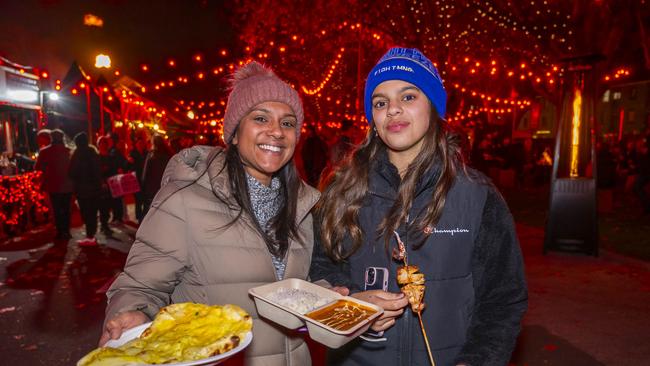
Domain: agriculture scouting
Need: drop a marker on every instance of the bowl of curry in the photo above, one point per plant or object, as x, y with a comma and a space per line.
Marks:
337, 323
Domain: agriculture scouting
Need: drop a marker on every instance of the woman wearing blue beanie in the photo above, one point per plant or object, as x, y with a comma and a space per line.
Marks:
407, 183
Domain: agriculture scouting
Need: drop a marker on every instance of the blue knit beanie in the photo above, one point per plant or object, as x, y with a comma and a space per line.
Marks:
410, 65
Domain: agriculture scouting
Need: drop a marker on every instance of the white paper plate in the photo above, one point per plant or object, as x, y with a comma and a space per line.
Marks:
136, 331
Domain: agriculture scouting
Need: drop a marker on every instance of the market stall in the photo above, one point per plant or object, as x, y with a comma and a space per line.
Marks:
20, 117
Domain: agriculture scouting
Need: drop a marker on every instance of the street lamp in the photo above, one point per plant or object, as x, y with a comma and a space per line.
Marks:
46, 99
102, 61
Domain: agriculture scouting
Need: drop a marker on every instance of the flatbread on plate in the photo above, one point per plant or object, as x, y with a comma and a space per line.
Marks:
179, 333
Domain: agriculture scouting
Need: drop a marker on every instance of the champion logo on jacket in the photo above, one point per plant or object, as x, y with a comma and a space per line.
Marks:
434, 230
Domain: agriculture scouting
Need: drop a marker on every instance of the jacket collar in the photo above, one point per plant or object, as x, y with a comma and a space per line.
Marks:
205, 166
384, 179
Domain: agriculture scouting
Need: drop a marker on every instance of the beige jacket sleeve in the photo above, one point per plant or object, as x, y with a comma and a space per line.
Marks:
156, 261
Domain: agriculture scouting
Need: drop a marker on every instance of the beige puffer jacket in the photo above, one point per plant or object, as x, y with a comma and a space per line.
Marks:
180, 255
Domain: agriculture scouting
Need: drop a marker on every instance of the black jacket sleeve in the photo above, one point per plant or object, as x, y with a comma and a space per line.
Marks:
324, 268
500, 288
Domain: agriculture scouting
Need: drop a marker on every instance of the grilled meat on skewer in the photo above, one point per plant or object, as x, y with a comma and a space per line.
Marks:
412, 285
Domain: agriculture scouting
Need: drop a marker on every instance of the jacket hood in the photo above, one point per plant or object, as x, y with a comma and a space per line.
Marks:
190, 165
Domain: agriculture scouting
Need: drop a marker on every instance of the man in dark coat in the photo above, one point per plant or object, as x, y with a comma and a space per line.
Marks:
54, 161
85, 172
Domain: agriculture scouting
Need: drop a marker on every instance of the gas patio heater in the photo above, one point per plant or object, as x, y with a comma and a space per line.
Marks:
572, 223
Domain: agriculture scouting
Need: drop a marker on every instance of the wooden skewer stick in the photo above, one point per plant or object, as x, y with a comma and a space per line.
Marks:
426, 340
404, 256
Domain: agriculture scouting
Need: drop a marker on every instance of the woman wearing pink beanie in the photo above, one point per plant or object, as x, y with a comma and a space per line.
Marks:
227, 220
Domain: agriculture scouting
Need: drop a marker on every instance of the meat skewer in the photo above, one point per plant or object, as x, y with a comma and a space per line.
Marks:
412, 285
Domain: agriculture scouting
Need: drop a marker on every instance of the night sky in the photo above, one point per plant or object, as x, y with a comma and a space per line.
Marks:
51, 33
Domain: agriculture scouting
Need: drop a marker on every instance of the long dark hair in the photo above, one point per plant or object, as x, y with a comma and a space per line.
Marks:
341, 201
283, 225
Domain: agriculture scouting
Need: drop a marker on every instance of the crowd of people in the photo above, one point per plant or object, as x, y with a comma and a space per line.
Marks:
82, 170
624, 166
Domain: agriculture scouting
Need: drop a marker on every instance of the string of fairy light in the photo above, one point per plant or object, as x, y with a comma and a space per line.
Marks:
539, 32
213, 118
447, 14
533, 76
307, 91
460, 116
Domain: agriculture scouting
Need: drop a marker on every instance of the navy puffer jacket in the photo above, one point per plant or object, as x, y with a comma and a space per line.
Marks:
475, 293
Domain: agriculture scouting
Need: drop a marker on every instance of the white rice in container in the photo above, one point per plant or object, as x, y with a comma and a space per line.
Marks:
300, 301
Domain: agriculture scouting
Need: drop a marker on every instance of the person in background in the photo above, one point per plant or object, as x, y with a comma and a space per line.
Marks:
344, 144
108, 167
478, 153
314, 155
116, 152
43, 138
606, 166
154, 167
175, 145
643, 174
512, 155
408, 180
85, 172
137, 158
54, 161
227, 220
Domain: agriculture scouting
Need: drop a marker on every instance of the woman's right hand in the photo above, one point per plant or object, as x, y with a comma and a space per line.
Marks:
392, 303
121, 322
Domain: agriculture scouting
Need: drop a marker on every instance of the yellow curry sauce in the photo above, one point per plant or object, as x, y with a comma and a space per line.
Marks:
342, 315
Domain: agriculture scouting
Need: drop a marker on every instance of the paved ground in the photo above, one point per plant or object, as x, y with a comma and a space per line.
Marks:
583, 310
51, 296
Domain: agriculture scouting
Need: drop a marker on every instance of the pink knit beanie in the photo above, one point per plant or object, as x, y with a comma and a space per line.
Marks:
251, 85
